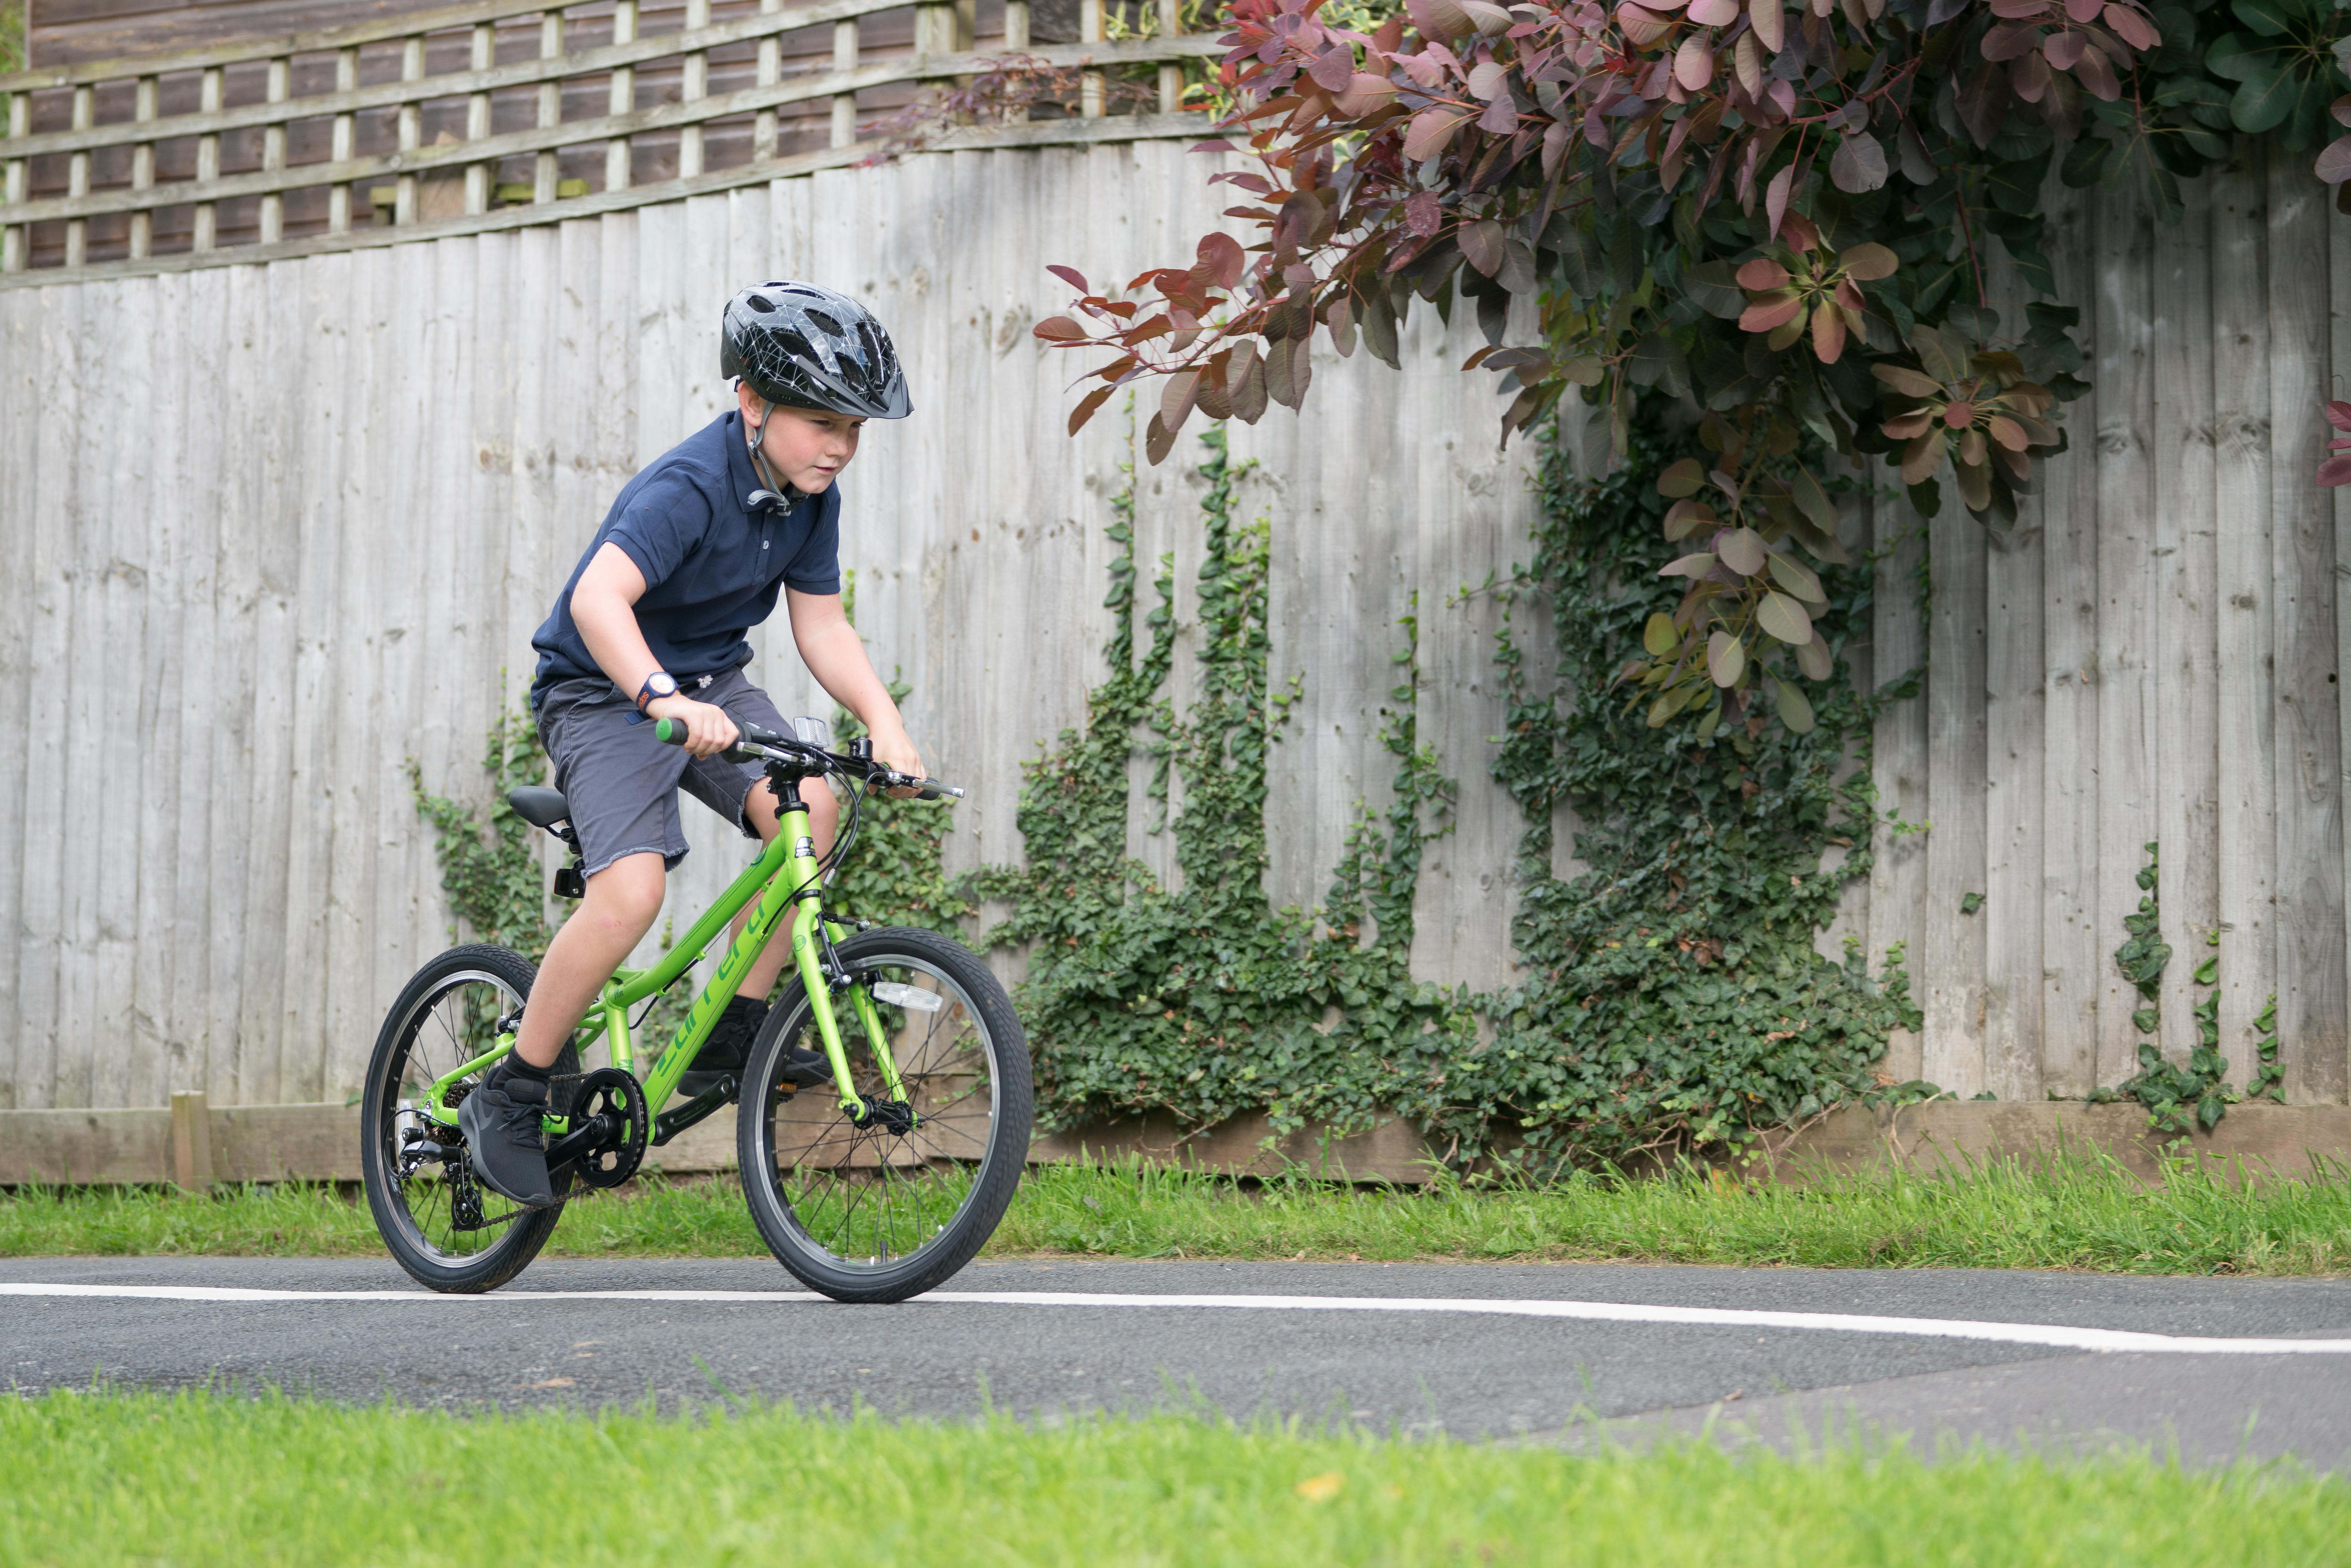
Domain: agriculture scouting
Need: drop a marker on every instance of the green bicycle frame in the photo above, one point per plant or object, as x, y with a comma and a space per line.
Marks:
783, 877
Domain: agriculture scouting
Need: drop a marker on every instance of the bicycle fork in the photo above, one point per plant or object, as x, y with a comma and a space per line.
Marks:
820, 980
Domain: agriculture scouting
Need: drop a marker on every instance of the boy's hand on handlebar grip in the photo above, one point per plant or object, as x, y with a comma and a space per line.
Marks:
708, 730
897, 753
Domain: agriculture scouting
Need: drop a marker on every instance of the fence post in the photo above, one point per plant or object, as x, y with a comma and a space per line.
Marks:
1015, 41
551, 106
84, 115
273, 153
477, 120
142, 172
934, 28
208, 101
412, 129
1171, 73
694, 84
771, 70
625, 96
15, 239
338, 196
1090, 31
192, 1140
844, 58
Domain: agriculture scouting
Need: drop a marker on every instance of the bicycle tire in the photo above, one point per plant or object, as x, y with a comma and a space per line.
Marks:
943, 1185
399, 1063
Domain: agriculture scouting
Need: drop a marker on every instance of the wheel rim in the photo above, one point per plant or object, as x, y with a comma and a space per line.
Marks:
453, 1025
868, 1201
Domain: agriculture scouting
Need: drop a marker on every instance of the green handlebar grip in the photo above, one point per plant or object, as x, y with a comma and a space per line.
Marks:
669, 731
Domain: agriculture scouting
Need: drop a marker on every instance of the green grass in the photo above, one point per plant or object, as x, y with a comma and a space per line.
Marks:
199, 1479
2081, 1213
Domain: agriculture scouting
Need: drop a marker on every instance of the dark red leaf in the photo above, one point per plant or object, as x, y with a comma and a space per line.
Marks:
1333, 69
1482, 244
1222, 259
1086, 407
1072, 277
1159, 440
2334, 160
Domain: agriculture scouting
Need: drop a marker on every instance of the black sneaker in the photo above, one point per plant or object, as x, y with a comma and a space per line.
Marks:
728, 1051
500, 1122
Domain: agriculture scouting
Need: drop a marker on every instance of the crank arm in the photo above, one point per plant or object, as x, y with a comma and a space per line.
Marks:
579, 1141
672, 1121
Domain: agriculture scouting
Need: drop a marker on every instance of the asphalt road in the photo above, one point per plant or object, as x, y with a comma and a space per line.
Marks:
1425, 1368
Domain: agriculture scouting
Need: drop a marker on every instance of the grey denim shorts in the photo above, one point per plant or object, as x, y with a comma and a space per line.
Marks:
621, 783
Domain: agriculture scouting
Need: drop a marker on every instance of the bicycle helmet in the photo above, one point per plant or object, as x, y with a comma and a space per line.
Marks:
806, 347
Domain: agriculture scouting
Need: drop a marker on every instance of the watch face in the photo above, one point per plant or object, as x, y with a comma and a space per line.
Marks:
664, 685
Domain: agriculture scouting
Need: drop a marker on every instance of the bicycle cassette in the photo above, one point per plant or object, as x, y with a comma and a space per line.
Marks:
612, 1102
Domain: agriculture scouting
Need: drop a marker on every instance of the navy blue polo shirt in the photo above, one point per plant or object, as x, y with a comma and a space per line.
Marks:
712, 565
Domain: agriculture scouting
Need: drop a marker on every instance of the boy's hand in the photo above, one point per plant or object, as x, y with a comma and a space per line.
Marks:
896, 752
708, 730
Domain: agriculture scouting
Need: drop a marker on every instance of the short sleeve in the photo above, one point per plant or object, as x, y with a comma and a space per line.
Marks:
815, 567
663, 524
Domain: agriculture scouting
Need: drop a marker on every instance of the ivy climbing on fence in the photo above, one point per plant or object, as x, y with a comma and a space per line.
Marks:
489, 861
1204, 998
2184, 1097
1675, 1002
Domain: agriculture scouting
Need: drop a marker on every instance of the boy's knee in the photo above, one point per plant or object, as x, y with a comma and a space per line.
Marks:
626, 896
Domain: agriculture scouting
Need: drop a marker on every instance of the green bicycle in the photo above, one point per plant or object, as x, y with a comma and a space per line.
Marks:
875, 1186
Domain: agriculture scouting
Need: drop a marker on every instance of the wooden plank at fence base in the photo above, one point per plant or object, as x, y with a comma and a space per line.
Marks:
1247, 1145
74, 1148
321, 1143
285, 1143
2253, 1141
192, 1140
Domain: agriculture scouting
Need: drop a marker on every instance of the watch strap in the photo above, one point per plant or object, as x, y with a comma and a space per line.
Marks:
646, 693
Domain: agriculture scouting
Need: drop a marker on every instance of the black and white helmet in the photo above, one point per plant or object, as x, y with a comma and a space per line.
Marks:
807, 346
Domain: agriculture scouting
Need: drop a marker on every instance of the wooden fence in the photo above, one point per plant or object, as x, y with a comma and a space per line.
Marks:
271, 530
2150, 657
325, 139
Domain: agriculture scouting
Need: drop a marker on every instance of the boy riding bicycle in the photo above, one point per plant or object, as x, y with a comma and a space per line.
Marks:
651, 626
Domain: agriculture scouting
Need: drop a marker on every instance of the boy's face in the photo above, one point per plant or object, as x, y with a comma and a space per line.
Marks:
807, 447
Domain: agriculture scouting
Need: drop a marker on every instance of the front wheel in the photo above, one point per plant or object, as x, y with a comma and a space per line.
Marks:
447, 1230
888, 1210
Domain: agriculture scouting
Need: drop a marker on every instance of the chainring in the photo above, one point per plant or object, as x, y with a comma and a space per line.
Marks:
614, 1094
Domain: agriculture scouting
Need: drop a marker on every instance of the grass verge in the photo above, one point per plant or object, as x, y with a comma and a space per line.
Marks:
198, 1477
2083, 1212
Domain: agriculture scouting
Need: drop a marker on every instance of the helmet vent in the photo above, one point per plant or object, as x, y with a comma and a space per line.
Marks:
824, 323
761, 303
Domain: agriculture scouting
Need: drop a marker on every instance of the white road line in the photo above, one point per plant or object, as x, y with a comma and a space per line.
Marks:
2059, 1336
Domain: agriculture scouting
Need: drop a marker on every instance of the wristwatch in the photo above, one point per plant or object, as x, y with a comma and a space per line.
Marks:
660, 684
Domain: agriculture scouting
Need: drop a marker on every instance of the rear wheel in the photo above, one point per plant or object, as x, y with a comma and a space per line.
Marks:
442, 1225
888, 1210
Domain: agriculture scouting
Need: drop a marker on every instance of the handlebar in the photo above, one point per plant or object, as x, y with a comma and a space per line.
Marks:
755, 743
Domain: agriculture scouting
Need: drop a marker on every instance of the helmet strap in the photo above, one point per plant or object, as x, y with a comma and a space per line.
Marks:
777, 491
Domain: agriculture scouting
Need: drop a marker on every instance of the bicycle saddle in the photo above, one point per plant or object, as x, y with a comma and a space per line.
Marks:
538, 805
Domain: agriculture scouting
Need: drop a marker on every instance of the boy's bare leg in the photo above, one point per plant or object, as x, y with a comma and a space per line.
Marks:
824, 819
621, 903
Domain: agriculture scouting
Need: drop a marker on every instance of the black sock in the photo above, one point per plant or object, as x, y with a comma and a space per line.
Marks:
514, 1067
